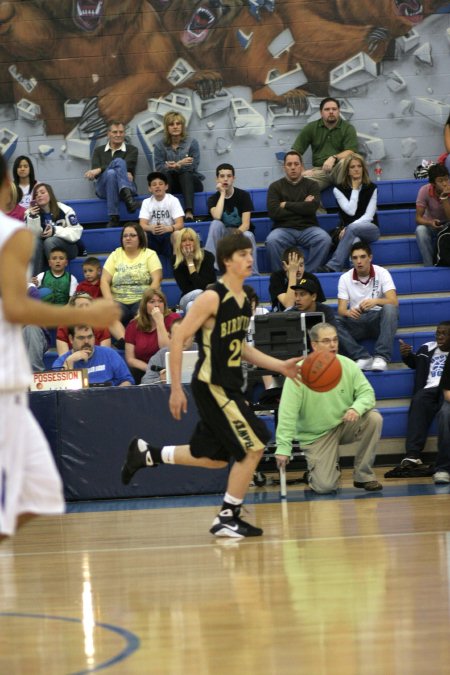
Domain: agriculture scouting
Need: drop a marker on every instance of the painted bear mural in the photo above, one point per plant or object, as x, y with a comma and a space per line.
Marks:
118, 53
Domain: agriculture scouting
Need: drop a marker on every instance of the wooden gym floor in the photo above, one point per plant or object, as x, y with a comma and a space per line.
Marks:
349, 584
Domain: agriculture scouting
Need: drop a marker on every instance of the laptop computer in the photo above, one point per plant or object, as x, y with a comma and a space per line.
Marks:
187, 366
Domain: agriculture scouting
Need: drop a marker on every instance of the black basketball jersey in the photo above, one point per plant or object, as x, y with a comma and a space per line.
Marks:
220, 347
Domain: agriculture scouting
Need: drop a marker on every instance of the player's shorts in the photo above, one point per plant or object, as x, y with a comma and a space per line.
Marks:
228, 426
29, 480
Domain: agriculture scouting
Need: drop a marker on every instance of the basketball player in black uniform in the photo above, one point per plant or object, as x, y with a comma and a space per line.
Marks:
228, 428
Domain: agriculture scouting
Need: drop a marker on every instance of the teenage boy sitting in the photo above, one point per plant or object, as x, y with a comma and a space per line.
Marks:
291, 273
161, 215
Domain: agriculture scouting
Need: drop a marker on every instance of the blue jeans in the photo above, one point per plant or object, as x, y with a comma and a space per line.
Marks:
381, 325
368, 232
111, 182
188, 298
217, 230
443, 455
161, 244
316, 241
426, 241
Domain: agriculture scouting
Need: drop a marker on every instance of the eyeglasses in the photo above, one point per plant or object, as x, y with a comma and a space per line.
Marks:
329, 341
129, 236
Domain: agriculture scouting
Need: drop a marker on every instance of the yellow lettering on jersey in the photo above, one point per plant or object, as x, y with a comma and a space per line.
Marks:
234, 325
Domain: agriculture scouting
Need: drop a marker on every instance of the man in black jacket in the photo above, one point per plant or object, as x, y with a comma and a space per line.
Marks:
113, 169
428, 362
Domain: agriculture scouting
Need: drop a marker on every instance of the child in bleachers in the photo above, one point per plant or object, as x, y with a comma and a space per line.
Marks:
57, 279
92, 271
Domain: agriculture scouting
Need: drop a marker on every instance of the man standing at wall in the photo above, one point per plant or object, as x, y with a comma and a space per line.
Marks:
113, 169
331, 139
292, 202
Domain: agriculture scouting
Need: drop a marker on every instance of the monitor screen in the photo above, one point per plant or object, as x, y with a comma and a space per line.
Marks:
285, 334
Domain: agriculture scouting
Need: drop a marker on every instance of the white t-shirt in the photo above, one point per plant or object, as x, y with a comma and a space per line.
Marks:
437, 364
352, 289
164, 211
15, 373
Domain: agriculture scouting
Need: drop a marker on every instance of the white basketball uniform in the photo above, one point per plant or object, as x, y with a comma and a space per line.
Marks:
29, 481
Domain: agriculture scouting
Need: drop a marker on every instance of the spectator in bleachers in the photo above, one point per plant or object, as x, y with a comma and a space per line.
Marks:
161, 215
193, 267
104, 365
432, 211
56, 285
24, 178
428, 363
367, 308
156, 368
446, 157
148, 332
442, 467
128, 271
331, 139
92, 272
305, 300
14, 209
113, 167
292, 203
36, 338
292, 272
356, 196
231, 209
101, 335
55, 225
322, 421
178, 156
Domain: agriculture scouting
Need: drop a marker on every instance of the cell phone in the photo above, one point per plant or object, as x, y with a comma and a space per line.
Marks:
33, 203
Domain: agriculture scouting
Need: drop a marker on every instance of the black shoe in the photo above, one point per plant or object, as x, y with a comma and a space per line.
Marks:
189, 219
127, 196
228, 524
138, 456
114, 221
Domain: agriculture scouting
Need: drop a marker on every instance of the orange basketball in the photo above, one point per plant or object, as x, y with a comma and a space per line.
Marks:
321, 371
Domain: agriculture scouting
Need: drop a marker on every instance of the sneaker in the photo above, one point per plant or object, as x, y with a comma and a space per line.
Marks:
228, 524
379, 363
441, 477
369, 486
364, 364
410, 462
138, 456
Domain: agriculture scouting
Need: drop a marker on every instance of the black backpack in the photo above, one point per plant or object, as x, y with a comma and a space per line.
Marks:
443, 247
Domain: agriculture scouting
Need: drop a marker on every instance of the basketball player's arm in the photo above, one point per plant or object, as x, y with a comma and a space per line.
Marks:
289, 368
19, 308
204, 307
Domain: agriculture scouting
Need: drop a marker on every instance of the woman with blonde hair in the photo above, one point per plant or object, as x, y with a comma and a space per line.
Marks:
193, 267
148, 332
356, 197
178, 157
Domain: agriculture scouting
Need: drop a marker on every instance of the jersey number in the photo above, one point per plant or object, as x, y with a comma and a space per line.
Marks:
235, 358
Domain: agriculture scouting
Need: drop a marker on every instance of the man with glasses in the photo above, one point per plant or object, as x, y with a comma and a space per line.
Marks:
322, 421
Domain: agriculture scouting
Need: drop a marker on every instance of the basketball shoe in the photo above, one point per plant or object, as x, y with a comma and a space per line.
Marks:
139, 455
228, 524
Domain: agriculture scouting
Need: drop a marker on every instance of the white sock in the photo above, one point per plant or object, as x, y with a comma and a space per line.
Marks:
229, 499
168, 454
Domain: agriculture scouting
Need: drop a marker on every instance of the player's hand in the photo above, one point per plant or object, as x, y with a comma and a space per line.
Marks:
292, 368
405, 348
101, 313
351, 416
282, 461
177, 403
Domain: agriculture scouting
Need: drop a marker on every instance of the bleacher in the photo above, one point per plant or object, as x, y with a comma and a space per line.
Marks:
423, 292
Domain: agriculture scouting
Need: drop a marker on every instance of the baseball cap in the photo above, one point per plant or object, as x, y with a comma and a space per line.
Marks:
307, 285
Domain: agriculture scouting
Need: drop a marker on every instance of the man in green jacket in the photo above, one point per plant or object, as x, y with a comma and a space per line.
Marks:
331, 139
321, 421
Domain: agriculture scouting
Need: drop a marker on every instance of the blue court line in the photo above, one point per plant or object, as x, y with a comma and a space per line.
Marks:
260, 496
132, 641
